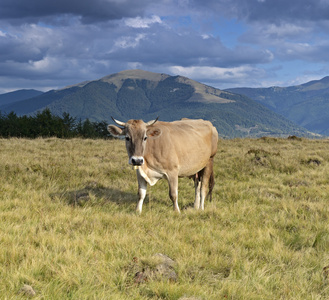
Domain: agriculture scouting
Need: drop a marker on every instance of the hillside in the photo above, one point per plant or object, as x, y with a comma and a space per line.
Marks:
306, 105
12, 97
144, 95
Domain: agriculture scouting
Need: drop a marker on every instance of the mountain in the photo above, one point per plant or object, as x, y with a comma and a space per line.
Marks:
306, 105
144, 95
12, 97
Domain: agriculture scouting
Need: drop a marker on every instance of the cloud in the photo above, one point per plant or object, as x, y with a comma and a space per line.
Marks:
271, 34
57, 43
165, 46
304, 52
90, 11
147, 41
236, 76
267, 11
139, 22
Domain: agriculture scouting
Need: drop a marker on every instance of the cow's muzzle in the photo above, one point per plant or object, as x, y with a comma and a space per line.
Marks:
136, 160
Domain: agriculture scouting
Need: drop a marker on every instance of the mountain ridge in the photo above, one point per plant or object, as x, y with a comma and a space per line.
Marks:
145, 95
306, 105
18, 95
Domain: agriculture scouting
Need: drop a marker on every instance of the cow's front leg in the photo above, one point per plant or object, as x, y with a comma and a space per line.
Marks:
142, 187
173, 191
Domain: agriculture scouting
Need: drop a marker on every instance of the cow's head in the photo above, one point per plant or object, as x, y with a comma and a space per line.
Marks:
136, 133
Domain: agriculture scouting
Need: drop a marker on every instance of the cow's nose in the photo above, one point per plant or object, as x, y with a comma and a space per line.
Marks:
137, 161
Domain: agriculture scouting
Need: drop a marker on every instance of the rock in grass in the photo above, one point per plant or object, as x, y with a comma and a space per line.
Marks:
157, 267
27, 290
165, 267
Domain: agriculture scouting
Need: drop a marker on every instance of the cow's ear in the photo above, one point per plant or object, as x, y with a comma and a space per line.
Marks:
114, 130
153, 132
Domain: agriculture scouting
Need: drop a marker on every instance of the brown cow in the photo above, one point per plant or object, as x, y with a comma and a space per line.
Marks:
158, 150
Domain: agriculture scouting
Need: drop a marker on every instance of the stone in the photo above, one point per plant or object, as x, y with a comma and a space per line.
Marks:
159, 267
27, 290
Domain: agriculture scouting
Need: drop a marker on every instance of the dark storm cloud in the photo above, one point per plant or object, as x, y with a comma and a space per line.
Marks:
90, 11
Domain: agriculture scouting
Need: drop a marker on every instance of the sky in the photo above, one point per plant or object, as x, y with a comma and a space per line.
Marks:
46, 44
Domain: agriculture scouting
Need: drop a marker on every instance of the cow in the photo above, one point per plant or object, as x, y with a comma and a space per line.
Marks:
184, 148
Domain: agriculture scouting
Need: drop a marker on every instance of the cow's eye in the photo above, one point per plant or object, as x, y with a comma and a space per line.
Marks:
127, 138
145, 138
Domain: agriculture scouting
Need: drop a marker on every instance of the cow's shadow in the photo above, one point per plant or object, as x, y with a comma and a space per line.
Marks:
94, 195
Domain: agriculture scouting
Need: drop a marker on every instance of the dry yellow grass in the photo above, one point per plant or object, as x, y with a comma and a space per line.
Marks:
68, 226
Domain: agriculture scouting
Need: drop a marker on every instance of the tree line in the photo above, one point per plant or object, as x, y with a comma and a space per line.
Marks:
46, 124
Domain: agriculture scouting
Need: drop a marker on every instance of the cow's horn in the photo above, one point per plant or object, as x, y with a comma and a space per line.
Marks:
152, 122
123, 124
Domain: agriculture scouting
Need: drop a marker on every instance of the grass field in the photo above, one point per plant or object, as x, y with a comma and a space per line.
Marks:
68, 226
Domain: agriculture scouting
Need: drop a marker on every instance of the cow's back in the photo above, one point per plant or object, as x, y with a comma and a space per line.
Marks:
186, 145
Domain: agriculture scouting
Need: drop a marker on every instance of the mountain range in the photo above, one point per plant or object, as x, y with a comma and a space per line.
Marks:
145, 95
306, 105
9, 98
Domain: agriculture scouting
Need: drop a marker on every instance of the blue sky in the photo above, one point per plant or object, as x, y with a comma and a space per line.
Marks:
224, 43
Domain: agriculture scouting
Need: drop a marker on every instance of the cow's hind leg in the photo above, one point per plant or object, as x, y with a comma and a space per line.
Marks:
207, 182
197, 186
142, 187
211, 185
